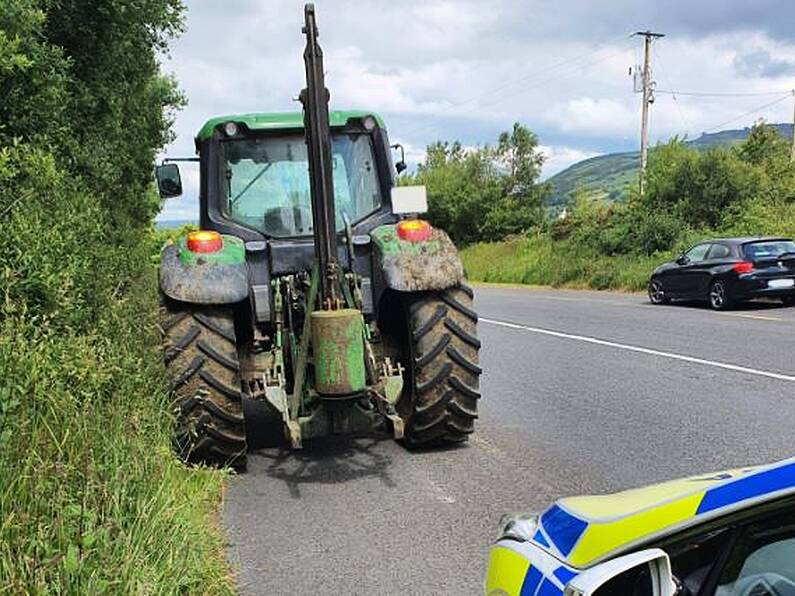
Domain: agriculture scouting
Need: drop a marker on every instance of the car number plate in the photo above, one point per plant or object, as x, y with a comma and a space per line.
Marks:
781, 283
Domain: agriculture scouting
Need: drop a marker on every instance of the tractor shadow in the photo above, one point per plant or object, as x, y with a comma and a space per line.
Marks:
333, 460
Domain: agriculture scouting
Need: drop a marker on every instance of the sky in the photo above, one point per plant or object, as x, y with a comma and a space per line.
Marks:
467, 70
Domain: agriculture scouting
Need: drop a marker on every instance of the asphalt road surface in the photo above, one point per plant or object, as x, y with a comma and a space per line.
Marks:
583, 392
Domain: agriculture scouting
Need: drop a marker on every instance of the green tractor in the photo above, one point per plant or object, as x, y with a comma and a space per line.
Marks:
312, 292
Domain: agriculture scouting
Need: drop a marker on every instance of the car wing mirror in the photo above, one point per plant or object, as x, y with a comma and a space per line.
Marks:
169, 183
644, 573
682, 259
409, 199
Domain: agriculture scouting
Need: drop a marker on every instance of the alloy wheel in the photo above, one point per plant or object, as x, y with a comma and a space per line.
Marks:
717, 295
656, 292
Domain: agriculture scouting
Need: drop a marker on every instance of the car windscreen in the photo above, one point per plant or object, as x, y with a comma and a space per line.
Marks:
768, 249
266, 182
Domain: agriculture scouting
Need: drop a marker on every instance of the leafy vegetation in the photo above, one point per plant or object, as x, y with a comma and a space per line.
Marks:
612, 176
484, 193
744, 189
91, 499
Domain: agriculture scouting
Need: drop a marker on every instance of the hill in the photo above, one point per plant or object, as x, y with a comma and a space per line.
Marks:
609, 175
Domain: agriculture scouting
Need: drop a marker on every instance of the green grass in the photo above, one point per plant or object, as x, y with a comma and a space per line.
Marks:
538, 260
92, 500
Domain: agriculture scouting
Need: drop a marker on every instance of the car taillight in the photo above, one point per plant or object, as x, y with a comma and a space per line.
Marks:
744, 267
414, 230
204, 241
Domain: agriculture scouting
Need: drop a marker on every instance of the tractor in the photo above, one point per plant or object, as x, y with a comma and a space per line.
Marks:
312, 290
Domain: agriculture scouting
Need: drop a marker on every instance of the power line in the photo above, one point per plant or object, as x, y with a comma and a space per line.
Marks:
749, 113
719, 94
564, 76
529, 77
682, 117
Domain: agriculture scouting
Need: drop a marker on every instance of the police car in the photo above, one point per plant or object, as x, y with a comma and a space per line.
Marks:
725, 534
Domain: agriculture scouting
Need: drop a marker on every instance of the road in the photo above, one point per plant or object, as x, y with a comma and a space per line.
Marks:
583, 392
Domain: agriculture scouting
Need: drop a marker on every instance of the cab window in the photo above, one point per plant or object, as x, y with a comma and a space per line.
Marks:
266, 182
697, 253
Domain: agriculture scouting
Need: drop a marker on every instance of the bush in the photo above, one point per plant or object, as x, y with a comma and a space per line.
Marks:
744, 190
91, 498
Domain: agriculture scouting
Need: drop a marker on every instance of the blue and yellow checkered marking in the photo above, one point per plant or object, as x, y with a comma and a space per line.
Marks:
749, 487
511, 574
582, 530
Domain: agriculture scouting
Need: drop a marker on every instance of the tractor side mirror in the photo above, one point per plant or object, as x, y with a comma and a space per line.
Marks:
645, 573
169, 183
409, 199
401, 165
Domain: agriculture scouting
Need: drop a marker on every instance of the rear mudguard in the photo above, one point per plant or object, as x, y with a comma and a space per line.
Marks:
212, 278
407, 266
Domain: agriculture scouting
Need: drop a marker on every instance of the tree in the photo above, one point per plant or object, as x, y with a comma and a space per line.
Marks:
484, 193
520, 205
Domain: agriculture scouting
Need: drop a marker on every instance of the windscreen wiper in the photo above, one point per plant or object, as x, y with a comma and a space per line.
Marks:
265, 168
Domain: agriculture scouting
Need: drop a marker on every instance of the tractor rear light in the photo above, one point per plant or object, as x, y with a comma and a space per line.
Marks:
414, 230
204, 241
744, 267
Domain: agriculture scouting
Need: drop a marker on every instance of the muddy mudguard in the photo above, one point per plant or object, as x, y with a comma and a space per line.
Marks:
220, 277
407, 266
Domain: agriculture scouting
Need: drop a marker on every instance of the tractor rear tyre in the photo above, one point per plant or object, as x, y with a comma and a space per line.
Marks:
201, 360
443, 369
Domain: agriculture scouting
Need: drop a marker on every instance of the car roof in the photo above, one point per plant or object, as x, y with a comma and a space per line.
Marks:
583, 531
745, 239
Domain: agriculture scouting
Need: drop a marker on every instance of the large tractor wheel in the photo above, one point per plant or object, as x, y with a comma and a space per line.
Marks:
443, 368
201, 360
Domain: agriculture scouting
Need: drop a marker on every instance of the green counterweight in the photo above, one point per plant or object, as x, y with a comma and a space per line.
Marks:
338, 351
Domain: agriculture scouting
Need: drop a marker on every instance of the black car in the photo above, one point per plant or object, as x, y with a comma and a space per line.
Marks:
725, 271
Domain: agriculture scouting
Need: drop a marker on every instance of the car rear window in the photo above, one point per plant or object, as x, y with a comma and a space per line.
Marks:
768, 248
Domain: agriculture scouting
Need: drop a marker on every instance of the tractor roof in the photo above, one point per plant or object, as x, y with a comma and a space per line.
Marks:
281, 120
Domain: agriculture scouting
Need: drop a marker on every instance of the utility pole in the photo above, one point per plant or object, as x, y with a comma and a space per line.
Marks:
648, 99
792, 150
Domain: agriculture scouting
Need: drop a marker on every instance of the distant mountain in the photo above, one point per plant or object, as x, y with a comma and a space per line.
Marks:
166, 224
610, 174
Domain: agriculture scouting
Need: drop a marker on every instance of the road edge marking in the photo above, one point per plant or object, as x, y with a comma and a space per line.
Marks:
642, 350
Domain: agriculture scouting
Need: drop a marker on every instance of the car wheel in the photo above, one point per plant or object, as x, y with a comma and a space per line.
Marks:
657, 292
719, 298
788, 301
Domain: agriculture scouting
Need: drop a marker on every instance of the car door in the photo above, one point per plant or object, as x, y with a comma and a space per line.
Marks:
719, 254
739, 554
684, 279
761, 560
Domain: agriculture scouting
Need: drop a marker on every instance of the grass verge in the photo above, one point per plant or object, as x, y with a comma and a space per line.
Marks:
92, 500
539, 260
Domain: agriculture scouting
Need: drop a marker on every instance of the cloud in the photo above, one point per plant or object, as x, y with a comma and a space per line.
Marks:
594, 116
759, 63
560, 158
467, 70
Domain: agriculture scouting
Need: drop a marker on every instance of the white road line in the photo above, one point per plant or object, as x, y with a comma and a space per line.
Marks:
650, 352
745, 316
